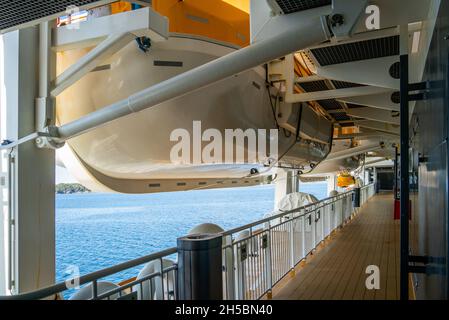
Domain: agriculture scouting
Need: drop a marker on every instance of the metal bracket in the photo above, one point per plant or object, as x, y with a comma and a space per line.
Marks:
426, 267
427, 259
8, 144
243, 252
91, 60
426, 90
317, 216
423, 159
48, 139
428, 270
265, 241
48, 143
344, 17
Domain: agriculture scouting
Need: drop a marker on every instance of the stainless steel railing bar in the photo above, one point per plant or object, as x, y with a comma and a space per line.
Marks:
137, 282
268, 261
321, 203
62, 286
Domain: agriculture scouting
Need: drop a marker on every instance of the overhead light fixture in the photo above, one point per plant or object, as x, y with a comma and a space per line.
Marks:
415, 42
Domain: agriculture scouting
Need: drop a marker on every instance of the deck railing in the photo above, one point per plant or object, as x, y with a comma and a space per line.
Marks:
258, 255
255, 257
160, 278
366, 193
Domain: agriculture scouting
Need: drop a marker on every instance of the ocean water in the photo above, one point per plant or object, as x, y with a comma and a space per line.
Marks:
95, 231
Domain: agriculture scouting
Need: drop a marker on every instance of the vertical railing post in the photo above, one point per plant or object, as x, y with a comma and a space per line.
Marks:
340, 206
303, 236
161, 293
94, 290
268, 263
312, 219
320, 223
229, 267
292, 243
350, 207
332, 216
240, 292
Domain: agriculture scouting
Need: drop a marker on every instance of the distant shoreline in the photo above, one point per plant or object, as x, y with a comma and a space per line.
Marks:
71, 188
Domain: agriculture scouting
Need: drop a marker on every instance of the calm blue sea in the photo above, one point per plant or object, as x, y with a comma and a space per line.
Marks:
96, 231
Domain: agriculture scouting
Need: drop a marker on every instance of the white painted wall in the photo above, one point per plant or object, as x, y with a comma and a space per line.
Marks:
3, 183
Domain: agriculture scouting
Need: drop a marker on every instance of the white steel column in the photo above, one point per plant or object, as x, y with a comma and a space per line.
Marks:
286, 183
331, 183
31, 209
3, 184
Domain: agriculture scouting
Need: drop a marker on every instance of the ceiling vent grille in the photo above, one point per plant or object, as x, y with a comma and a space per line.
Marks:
314, 86
354, 106
330, 104
357, 51
15, 13
341, 116
291, 6
345, 85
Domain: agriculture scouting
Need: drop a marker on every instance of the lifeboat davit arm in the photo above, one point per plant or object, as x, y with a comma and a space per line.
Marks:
291, 33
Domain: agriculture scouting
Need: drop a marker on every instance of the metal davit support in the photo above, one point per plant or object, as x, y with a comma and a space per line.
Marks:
307, 31
287, 34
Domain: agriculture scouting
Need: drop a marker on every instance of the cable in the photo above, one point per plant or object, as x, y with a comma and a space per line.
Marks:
273, 107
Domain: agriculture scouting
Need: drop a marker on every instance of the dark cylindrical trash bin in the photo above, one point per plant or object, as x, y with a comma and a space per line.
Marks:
200, 267
356, 198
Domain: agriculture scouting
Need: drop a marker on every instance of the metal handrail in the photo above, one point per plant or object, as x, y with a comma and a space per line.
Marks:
271, 263
135, 282
54, 290
321, 204
62, 286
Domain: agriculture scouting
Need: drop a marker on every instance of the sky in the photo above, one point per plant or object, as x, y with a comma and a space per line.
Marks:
63, 176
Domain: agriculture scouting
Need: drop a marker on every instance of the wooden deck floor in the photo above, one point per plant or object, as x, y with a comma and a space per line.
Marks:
337, 271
